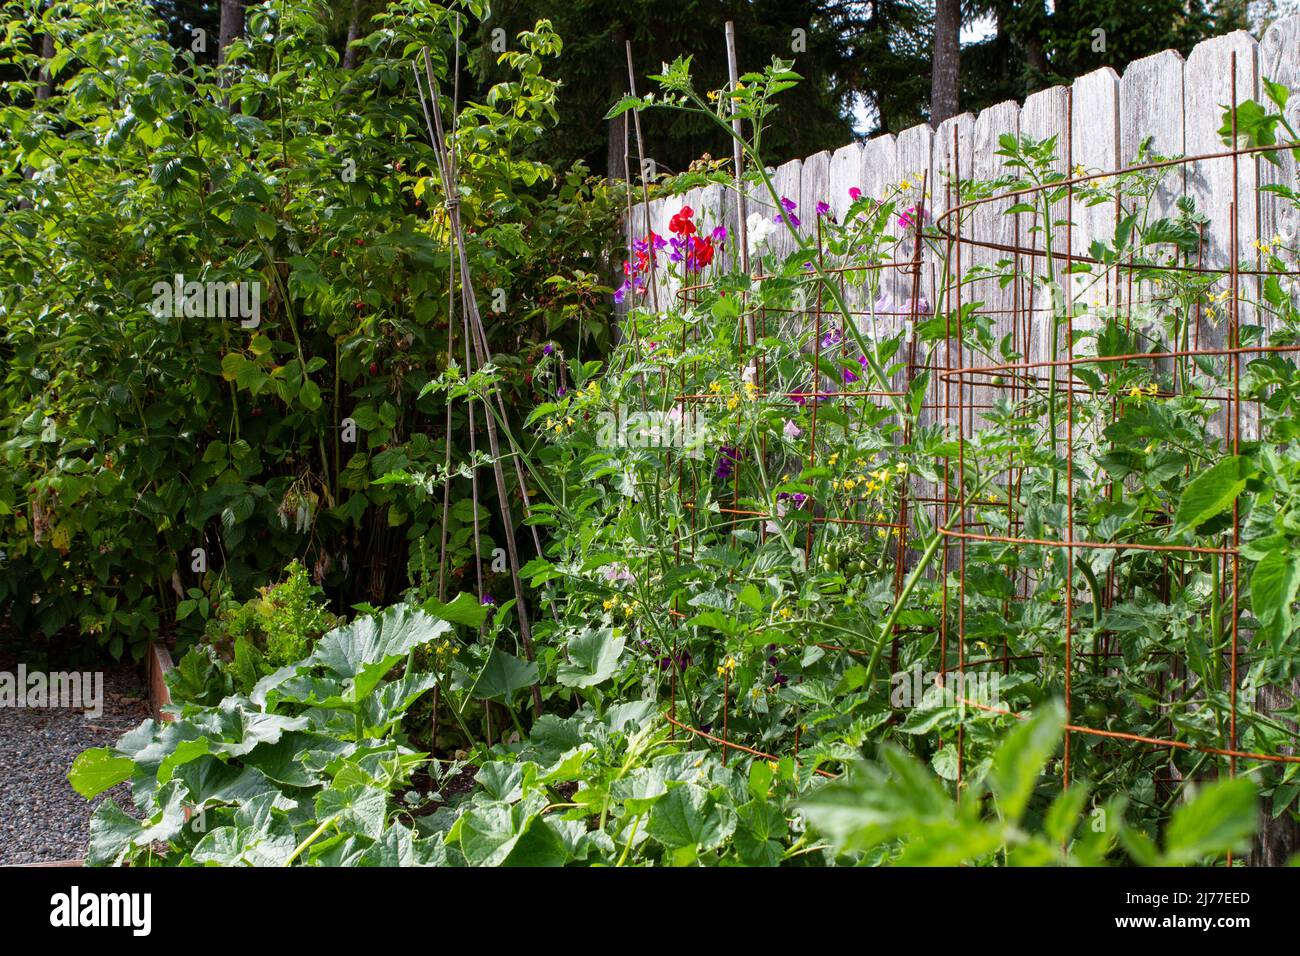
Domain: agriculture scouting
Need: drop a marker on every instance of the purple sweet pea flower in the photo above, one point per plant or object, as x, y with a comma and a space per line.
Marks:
548, 349
683, 661
790, 207
797, 498
619, 572
488, 601
719, 234
727, 458
823, 208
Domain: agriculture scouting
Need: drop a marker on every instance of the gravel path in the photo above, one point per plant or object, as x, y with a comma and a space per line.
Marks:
41, 817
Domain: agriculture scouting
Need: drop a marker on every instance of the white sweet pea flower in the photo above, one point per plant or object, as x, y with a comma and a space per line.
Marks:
758, 229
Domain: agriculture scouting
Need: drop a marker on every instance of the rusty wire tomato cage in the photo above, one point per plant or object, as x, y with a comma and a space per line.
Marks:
949, 394
1014, 378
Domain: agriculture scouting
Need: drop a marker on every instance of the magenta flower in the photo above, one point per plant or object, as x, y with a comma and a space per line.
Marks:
823, 208
719, 234
855, 193
908, 219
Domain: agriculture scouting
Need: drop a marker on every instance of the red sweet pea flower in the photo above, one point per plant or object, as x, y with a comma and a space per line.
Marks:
681, 223
703, 253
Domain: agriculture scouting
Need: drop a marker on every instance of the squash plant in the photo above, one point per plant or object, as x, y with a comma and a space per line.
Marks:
301, 767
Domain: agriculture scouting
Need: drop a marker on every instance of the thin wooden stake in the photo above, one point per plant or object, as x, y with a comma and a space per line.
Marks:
478, 337
645, 189
738, 160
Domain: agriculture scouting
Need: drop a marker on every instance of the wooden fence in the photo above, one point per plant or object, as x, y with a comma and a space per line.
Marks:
1100, 121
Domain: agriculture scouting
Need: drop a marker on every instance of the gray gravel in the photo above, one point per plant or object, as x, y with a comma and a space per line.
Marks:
41, 817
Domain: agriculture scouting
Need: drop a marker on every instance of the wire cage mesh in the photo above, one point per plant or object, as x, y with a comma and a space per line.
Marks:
1041, 360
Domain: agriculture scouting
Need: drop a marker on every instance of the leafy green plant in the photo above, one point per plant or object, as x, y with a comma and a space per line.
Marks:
299, 769
748, 586
894, 811
151, 453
